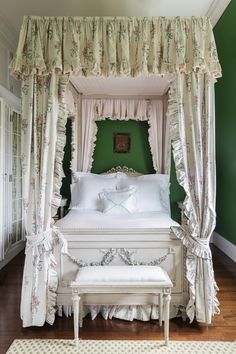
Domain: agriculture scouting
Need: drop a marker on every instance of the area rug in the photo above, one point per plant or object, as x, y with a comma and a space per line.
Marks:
52, 346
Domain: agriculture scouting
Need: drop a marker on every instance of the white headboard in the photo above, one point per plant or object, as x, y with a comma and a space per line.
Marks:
128, 170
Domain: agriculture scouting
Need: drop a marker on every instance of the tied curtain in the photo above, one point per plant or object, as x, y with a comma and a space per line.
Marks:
43, 135
191, 110
120, 109
49, 49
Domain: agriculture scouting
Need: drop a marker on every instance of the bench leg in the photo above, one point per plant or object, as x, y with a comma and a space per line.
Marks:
81, 311
160, 309
167, 299
76, 300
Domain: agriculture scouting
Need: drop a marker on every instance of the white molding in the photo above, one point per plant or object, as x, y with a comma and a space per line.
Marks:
225, 246
13, 252
12, 100
216, 10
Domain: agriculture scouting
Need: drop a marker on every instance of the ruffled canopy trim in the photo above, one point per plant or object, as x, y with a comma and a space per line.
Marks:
60, 144
115, 46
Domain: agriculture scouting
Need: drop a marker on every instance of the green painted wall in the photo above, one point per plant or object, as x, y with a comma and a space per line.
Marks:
65, 188
177, 193
225, 35
139, 157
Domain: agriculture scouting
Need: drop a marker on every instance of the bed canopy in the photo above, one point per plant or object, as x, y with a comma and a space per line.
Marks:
49, 50
92, 110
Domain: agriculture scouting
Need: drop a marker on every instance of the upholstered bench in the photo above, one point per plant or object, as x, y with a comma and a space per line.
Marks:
122, 280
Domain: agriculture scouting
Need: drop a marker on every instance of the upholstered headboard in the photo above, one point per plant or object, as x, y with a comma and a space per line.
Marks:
128, 170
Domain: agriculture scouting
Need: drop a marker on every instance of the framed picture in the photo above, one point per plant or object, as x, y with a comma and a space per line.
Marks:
121, 142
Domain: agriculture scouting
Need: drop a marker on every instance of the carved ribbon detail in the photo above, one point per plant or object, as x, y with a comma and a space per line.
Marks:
126, 255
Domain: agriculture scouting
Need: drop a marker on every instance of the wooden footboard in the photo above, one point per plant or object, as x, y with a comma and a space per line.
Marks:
117, 247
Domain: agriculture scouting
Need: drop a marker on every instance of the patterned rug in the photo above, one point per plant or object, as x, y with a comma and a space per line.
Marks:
51, 346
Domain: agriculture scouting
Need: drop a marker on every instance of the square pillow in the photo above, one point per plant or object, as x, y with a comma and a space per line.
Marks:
152, 191
123, 201
84, 193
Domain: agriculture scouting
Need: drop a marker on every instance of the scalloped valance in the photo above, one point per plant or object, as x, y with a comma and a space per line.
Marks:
115, 46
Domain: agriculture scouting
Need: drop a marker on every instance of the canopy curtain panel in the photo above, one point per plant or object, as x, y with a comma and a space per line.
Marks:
191, 110
49, 50
119, 109
43, 133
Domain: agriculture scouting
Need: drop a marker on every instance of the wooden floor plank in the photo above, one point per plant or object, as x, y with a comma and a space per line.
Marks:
222, 328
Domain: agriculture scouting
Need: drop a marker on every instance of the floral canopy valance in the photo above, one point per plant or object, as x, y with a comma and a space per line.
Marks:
115, 46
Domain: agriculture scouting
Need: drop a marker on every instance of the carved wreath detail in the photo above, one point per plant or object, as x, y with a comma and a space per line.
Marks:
127, 256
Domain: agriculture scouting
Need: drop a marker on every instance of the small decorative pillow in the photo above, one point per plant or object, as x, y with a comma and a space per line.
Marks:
123, 201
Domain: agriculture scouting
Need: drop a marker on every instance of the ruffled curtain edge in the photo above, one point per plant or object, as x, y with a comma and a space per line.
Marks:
196, 247
56, 198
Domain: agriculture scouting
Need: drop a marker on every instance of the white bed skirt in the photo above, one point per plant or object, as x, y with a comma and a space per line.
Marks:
128, 313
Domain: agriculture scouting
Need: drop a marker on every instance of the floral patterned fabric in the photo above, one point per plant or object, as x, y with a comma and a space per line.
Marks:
192, 120
50, 48
43, 140
115, 46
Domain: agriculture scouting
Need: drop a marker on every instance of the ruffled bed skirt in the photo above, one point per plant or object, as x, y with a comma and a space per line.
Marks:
128, 313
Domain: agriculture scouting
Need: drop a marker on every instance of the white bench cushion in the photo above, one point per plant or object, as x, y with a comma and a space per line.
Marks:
122, 274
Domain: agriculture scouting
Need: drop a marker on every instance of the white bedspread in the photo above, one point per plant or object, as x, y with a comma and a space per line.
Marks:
92, 219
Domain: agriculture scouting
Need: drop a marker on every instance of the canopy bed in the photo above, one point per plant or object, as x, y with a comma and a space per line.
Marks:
49, 50
136, 237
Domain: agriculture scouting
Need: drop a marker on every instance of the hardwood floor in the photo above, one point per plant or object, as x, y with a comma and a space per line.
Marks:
222, 328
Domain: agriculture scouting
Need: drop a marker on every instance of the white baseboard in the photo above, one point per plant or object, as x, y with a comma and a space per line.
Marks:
225, 246
12, 253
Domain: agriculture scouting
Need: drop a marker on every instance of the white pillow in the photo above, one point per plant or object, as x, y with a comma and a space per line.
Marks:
78, 174
153, 191
84, 193
123, 201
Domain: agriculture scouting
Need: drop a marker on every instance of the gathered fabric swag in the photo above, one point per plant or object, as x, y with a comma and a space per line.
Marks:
115, 46
49, 49
120, 109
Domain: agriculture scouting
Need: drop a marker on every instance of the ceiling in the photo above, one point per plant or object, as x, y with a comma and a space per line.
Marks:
12, 11
151, 85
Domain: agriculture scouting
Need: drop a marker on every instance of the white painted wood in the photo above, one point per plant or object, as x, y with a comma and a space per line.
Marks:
166, 299
11, 226
160, 309
225, 246
76, 307
143, 286
143, 86
11, 99
148, 245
